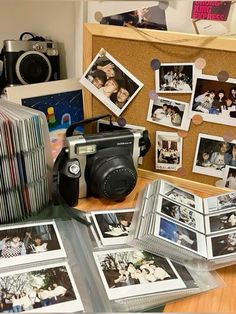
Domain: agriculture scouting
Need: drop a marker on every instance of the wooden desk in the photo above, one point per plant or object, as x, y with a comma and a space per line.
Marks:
221, 300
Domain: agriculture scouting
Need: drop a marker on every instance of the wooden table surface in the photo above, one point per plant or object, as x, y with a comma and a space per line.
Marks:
220, 300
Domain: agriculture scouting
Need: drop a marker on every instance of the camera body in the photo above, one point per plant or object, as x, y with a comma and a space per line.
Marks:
29, 62
102, 164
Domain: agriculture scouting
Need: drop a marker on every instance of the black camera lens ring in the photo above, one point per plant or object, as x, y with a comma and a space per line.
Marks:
22, 58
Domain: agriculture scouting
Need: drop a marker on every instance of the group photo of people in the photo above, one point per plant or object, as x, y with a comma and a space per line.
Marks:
215, 99
178, 212
113, 84
168, 150
226, 220
134, 268
169, 113
175, 78
20, 241
213, 154
35, 289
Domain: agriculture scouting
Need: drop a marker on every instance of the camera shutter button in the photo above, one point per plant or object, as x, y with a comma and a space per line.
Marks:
74, 169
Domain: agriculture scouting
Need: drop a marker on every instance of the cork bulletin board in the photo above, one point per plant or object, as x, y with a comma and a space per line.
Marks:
135, 49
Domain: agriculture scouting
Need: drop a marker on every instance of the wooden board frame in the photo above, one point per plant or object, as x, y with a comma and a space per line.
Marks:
151, 37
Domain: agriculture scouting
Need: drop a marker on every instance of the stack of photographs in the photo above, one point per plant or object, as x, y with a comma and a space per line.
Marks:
173, 222
25, 160
35, 275
133, 279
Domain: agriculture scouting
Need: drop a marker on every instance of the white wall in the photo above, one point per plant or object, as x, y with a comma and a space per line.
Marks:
56, 20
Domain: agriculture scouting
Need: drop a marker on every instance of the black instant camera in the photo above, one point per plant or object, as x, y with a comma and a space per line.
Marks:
102, 164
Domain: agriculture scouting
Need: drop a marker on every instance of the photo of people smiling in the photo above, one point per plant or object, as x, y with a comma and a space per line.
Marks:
214, 100
110, 82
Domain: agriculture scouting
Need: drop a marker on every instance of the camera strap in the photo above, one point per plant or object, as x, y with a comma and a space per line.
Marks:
57, 197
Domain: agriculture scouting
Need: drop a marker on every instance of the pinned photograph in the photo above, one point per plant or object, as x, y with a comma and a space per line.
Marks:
181, 196
152, 17
229, 177
222, 245
214, 100
182, 236
175, 78
216, 203
48, 289
168, 151
29, 243
169, 112
181, 213
110, 82
221, 222
113, 226
122, 269
213, 154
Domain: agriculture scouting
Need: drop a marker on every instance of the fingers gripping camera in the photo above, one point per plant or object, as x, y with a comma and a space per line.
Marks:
102, 165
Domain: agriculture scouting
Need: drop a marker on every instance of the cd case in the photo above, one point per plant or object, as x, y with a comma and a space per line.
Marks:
194, 231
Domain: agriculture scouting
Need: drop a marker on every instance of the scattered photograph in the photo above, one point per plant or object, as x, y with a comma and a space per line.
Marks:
122, 269
221, 245
180, 235
149, 17
168, 112
221, 222
181, 196
213, 154
168, 151
110, 82
61, 102
29, 243
175, 78
216, 203
214, 100
229, 177
48, 289
113, 226
180, 213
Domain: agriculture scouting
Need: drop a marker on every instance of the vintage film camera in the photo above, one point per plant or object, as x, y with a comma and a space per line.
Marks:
102, 164
30, 61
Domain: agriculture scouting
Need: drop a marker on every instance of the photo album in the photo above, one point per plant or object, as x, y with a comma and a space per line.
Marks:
189, 229
131, 278
35, 273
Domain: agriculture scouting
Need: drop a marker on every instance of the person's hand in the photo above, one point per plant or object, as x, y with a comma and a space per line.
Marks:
234, 152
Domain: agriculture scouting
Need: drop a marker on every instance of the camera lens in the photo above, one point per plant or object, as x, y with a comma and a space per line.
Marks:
111, 174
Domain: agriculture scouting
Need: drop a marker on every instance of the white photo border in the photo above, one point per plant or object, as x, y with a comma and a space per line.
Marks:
104, 99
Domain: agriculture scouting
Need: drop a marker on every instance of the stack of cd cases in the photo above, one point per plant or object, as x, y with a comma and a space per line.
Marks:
26, 162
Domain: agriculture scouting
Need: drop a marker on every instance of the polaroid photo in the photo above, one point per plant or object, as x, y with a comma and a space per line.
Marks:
169, 147
30, 243
180, 235
152, 17
25, 290
169, 112
175, 78
182, 214
214, 100
104, 125
61, 101
213, 154
181, 196
220, 222
229, 177
221, 202
123, 269
113, 226
222, 245
110, 82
